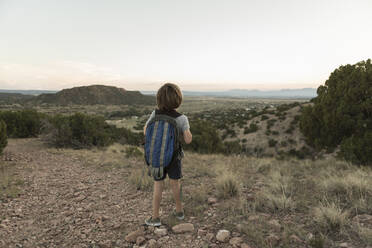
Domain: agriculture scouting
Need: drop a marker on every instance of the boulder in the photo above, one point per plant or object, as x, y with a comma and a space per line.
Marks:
223, 235
183, 228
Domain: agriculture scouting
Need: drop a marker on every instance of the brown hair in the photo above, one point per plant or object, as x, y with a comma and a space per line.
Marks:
169, 97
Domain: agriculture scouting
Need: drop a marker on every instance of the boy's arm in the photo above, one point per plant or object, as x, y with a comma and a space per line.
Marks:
187, 136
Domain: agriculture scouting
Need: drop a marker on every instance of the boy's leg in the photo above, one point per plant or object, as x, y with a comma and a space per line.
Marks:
176, 185
158, 190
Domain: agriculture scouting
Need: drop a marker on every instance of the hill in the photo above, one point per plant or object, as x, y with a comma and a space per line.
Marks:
9, 98
305, 93
95, 94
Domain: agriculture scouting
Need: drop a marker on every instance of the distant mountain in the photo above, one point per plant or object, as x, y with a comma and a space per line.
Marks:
28, 92
284, 93
94, 94
10, 98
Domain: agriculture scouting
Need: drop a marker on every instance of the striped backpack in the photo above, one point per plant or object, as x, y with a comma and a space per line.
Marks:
162, 142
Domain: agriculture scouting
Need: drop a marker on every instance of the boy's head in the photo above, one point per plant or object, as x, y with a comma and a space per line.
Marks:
169, 97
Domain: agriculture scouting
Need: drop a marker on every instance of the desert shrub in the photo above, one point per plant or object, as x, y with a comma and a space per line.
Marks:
231, 147
284, 143
133, 151
205, 138
264, 117
251, 129
341, 113
3, 136
330, 217
271, 123
227, 185
272, 142
275, 132
22, 124
140, 179
81, 130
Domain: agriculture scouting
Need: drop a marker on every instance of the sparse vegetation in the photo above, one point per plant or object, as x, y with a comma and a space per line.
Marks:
22, 124
3, 136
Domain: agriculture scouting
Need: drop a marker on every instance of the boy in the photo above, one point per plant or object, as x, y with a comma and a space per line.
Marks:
168, 99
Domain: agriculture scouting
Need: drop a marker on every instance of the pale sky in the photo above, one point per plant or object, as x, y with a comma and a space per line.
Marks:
199, 44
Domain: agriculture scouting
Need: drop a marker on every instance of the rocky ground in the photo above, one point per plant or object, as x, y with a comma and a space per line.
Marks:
65, 203
100, 198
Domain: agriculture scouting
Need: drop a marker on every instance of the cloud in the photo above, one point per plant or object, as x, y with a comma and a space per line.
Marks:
56, 75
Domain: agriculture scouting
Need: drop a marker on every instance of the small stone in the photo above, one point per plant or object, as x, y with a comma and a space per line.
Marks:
344, 245
212, 200
163, 240
223, 235
132, 237
275, 224
273, 240
161, 232
202, 232
183, 227
236, 241
295, 238
244, 245
309, 236
253, 217
152, 244
140, 240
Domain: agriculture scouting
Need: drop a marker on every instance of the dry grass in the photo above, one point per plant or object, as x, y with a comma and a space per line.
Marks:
9, 182
331, 217
141, 180
227, 185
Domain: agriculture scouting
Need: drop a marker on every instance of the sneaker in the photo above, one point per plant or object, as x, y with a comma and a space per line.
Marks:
153, 222
179, 215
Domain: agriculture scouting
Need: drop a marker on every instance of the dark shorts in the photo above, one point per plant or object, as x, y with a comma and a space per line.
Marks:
174, 171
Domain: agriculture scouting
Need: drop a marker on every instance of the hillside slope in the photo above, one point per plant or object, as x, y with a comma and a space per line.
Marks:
100, 198
95, 94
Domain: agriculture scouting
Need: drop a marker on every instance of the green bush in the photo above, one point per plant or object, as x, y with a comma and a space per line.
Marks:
272, 142
23, 123
81, 130
3, 136
205, 138
251, 129
341, 113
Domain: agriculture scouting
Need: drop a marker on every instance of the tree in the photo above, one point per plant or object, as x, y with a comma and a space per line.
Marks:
341, 114
3, 136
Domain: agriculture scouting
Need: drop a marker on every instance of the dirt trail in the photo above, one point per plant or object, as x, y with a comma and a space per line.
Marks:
66, 204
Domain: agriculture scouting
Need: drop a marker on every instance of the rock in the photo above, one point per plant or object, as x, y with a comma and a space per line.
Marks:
202, 232
163, 240
212, 200
161, 232
223, 235
344, 245
236, 234
132, 237
273, 240
152, 244
183, 227
275, 224
244, 245
253, 217
236, 241
140, 240
294, 238
309, 236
